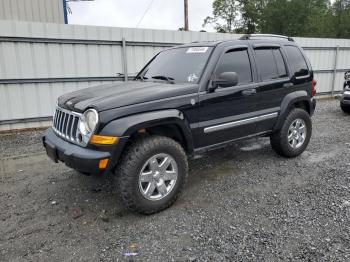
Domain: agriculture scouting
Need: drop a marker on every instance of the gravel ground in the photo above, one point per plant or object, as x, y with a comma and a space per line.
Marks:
243, 203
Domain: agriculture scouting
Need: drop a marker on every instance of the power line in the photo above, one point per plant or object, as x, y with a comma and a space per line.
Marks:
144, 14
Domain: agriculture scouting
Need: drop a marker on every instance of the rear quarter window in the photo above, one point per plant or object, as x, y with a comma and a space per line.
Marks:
296, 61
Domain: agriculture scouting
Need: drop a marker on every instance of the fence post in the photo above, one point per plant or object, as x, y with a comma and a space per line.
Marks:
335, 69
125, 64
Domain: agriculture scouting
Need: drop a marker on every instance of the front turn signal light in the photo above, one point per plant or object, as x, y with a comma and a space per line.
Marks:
103, 163
103, 140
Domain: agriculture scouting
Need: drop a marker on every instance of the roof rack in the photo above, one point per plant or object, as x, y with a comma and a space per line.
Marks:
261, 36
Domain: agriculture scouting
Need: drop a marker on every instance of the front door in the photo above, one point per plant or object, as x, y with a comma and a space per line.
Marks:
229, 112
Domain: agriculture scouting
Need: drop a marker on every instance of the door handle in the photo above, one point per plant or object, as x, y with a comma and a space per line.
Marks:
285, 85
249, 92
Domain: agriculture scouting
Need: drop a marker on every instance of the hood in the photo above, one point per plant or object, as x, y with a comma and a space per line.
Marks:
122, 94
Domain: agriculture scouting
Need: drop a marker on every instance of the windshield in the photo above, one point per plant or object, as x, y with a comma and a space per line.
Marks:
179, 65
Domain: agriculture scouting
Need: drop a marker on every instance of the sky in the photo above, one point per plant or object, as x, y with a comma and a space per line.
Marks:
162, 14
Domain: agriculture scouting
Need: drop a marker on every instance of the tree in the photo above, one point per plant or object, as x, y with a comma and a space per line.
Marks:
341, 18
307, 18
250, 11
293, 17
224, 16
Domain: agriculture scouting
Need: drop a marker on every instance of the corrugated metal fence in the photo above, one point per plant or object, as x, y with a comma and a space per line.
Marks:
45, 11
39, 62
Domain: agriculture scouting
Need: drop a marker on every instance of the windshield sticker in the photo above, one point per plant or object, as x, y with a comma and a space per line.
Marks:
198, 49
192, 78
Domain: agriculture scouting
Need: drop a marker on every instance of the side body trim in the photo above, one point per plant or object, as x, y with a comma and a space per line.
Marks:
240, 122
201, 150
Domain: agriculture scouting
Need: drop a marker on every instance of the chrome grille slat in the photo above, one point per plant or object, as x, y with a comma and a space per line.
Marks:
75, 127
71, 128
59, 122
65, 124
55, 119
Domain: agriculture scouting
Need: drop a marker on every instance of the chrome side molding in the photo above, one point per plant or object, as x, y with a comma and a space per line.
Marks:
211, 129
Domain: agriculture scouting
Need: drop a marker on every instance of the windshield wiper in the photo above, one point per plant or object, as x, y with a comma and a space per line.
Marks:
165, 78
141, 77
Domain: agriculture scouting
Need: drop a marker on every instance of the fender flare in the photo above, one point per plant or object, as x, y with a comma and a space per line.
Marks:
126, 126
287, 104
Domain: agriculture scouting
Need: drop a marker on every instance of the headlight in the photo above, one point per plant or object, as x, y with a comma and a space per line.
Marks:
87, 125
82, 127
91, 120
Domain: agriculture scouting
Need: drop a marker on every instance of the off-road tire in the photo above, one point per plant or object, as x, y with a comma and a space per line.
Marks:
279, 139
345, 108
127, 173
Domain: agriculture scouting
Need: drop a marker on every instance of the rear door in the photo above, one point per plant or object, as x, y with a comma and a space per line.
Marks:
274, 82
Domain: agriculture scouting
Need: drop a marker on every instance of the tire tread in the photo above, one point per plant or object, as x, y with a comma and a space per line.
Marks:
278, 137
129, 162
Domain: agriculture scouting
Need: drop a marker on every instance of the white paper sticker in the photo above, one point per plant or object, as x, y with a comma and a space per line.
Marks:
197, 49
192, 78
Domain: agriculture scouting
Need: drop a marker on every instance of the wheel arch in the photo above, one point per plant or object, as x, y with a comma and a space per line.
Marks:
298, 99
171, 123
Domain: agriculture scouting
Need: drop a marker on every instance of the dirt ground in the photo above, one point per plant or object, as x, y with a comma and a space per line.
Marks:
242, 203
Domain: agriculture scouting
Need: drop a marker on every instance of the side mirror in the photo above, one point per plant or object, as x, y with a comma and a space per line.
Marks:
226, 79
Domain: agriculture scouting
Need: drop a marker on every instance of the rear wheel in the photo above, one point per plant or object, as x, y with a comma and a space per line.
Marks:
294, 136
152, 174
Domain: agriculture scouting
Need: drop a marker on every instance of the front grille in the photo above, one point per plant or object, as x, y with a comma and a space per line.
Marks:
65, 124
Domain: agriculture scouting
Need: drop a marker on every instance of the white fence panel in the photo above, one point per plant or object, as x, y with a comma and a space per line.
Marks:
50, 11
321, 60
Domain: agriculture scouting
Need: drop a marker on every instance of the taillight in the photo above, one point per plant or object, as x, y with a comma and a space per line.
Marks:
314, 83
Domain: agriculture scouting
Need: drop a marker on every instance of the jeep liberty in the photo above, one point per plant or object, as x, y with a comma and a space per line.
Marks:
187, 100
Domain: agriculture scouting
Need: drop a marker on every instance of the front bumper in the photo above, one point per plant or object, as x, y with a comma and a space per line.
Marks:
85, 160
345, 98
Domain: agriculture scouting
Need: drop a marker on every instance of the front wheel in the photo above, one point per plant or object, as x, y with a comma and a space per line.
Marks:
294, 136
152, 174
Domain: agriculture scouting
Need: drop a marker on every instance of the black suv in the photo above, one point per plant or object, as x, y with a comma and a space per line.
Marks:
188, 99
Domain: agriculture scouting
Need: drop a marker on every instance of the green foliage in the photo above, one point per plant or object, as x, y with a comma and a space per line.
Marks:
310, 18
340, 21
224, 16
294, 17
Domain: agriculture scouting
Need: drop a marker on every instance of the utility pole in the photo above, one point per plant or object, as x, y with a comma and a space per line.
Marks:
186, 15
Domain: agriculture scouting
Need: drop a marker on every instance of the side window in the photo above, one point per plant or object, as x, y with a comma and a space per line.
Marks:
281, 67
296, 61
270, 63
236, 61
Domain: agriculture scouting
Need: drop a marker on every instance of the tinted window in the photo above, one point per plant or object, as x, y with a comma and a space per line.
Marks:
266, 64
270, 63
236, 61
281, 67
296, 61
181, 65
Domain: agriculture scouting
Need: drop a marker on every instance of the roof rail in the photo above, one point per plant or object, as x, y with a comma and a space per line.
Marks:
261, 36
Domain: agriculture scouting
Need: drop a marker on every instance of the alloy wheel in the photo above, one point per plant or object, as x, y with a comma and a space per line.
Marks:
158, 177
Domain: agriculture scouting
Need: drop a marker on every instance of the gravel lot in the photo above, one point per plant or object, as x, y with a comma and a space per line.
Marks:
243, 203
